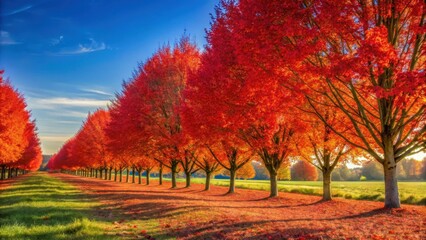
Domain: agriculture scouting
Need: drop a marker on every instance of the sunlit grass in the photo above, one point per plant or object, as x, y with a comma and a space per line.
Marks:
42, 207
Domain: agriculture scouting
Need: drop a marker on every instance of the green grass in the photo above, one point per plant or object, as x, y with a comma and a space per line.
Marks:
410, 192
43, 207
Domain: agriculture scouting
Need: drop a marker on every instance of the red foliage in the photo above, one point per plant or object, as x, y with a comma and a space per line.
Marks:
14, 119
231, 102
150, 104
304, 171
31, 158
63, 159
19, 144
88, 149
355, 68
366, 58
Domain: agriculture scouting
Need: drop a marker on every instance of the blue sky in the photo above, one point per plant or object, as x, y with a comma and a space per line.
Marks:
69, 57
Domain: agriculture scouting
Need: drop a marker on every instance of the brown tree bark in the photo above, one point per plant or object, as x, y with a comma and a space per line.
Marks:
208, 177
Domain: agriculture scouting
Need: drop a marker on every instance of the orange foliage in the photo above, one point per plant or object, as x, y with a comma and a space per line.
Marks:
14, 119
304, 171
19, 144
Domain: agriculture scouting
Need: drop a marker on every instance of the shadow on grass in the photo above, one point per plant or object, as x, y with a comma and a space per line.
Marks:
41, 207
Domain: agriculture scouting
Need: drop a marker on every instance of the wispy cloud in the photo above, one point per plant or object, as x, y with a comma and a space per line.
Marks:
92, 46
56, 41
19, 10
53, 103
96, 91
73, 114
68, 122
45, 138
6, 39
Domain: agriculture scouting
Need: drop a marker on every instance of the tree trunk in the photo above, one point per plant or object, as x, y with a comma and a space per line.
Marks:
115, 174
232, 181
147, 176
174, 185
100, 173
391, 188
326, 185
106, 174
9, 172
174, 172
274, 183
16, 172
391, 182
140, 177
160, 180
96, 173
2, 172
127, 175
188, 180
121, 175
133, 174
208, 176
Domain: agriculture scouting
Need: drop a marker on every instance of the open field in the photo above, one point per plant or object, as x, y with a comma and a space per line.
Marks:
410, 192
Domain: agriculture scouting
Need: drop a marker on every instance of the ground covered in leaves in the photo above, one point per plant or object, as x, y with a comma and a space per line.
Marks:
147, 212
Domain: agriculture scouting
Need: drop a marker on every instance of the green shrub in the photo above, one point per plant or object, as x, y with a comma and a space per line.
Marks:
348, 196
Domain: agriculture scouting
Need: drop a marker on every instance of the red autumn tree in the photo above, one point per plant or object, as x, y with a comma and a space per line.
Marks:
376, 79
369, 55
323, 148
207, 164
62, 159
245, 172
90, 148
327, 148
150, 104
189, 161
149, 165
249, 104
31, 158
126, 139
13, 125
303, 171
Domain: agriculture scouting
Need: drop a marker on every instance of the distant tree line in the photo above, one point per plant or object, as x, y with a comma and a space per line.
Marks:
408, 170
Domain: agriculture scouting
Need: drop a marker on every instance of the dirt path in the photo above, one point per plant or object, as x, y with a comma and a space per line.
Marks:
248, 214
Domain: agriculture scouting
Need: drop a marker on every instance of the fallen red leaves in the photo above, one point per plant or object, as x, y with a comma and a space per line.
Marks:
194, 214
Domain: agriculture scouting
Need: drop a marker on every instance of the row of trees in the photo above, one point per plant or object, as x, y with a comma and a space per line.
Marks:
323, 81
19, 145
